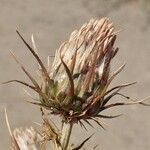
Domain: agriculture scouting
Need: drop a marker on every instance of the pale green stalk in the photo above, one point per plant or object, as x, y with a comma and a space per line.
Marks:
65, 136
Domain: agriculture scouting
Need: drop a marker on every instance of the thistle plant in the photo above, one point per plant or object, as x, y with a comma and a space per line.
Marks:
75, 88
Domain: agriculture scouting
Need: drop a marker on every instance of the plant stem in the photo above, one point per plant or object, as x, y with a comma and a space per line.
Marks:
65, 135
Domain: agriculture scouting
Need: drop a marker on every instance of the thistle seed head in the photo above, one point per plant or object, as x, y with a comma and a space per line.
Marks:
80, 70
77, 85
89, 49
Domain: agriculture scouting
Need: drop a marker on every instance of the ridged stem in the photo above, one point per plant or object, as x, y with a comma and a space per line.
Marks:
65, 135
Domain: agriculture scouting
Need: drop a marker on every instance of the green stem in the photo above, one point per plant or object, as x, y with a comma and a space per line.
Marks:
65, 135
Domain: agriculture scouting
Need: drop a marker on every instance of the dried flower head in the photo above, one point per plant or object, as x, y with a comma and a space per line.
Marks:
25, 139
77, 86
80, 71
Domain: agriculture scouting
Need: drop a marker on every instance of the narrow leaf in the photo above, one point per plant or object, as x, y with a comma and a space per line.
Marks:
82, 125
124, 103
25, 71
98, 123
107, 117
35, 55
113, 76
106, 100
21, 82
88, 123
120, 86
69, 76
82, 144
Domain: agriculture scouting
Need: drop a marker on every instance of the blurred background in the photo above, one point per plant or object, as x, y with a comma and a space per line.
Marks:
51, 22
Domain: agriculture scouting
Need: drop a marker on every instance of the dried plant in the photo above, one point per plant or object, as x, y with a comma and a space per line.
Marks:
76, 87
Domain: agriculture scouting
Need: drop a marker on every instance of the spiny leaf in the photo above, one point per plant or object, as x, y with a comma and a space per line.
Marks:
141, 101
33, 98
37, 87
105, 88
97, 122
41, 105
107, 117
127, 97
35, 55
112, 77
106, 100
21, 82
26, 72
120, 86
124, 103
115, 52
82, 125
82, 144
113, 40
69, 76
88, 123
112, 105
